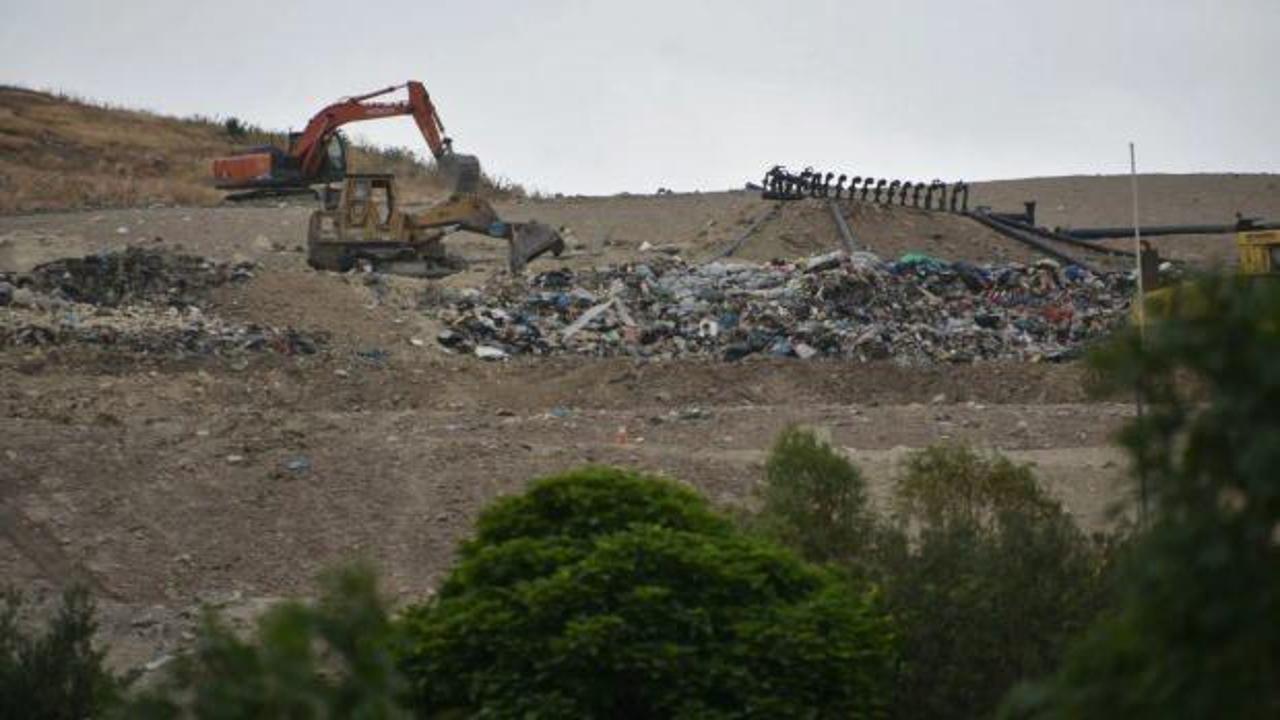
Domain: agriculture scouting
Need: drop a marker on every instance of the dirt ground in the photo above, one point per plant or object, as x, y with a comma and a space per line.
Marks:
171, 484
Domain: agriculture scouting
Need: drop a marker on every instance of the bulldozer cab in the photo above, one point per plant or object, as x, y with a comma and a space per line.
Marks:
364, 207
369, 201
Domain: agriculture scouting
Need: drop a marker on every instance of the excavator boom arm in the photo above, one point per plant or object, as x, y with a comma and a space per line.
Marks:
309, 149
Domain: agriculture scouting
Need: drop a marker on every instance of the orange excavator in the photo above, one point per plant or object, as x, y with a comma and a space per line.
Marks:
361, 222
318, 154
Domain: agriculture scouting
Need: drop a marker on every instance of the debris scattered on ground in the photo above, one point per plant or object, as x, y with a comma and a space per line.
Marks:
137, 300
299, 464
135, 275
916, 309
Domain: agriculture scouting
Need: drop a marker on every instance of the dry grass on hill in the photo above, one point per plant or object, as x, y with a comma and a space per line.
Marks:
60, 153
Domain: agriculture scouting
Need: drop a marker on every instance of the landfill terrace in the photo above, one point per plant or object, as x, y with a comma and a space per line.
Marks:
191, 415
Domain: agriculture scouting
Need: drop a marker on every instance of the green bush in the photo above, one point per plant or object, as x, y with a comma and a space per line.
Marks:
813, 499
1196, 632
987, 578
328, 660
602, 593
56, 673
951, 485
235, 128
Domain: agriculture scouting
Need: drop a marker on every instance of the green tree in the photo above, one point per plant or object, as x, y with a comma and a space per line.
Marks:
56, 673
327, 660
1196, 632
604, 593
814, 499
989, 578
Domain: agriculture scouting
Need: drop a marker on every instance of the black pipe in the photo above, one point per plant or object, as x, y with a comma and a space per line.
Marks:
941, 188
866, 186
1156, 230
803, 183
821, 185
1025, 238
1051, 235
958, 191
915, 196
880, 189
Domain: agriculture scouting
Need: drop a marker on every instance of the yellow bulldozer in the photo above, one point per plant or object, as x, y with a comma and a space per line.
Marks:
1259, 257
1259, 252
362, 222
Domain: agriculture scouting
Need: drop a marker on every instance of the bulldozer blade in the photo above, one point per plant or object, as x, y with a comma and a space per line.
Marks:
529, 241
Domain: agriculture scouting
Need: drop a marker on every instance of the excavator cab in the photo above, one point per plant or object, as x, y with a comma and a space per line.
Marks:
334, 167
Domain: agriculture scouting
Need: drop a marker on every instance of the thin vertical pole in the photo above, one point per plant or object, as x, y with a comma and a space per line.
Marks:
1142, 321
1137, 241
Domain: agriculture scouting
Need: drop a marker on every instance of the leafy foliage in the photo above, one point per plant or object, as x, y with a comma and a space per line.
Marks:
814, 499
330, 660
951, 485
602, 593
986, 577
590, 502
58, 673
1195, 635
989, 577
236, 129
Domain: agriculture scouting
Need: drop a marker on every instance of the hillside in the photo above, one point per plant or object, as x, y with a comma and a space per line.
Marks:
58, 153
192, 415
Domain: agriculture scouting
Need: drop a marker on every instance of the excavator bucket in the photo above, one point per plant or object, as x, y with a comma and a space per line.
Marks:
530, 240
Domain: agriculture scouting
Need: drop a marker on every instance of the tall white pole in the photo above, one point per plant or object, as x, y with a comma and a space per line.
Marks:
1142, 320
1137, 242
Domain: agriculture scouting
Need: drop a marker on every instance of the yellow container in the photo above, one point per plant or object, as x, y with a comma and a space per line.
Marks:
1259, 252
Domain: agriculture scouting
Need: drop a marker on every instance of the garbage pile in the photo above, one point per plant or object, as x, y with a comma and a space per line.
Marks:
914, 310
135, 275
136, 300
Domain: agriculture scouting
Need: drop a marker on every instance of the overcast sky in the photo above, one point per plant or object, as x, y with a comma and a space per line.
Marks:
598, 97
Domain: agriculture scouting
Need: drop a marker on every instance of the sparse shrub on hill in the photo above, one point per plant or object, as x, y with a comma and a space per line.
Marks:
1195, 634
235, 128
603, 593
55, 673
